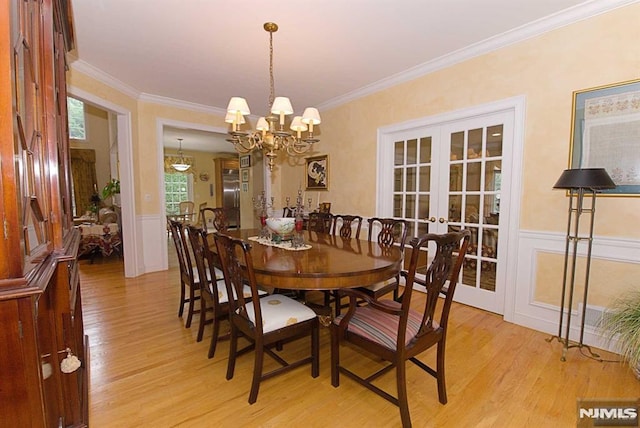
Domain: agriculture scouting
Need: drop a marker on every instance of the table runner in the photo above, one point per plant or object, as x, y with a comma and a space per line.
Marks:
286, 245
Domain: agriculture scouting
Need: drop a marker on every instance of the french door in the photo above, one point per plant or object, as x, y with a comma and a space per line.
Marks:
456, 175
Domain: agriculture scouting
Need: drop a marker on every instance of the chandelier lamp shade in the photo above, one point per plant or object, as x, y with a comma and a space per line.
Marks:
181, 163
271, 135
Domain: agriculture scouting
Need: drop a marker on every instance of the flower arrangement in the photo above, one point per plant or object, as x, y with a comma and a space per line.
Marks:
111, 188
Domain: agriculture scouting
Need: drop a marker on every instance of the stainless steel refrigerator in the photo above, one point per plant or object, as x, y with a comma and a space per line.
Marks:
231, 195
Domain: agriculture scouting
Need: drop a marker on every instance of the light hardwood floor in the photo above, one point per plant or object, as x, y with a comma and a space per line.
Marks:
147, 370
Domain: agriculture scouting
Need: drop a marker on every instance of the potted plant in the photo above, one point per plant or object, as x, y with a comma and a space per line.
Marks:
112, 189
622, 322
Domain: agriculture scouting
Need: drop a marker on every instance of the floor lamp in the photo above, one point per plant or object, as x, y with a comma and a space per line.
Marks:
579, 183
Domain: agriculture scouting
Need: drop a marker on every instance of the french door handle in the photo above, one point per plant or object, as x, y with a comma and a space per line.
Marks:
432, 219
442, 220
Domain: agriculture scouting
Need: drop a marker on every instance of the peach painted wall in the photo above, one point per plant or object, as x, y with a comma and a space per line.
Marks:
546, 69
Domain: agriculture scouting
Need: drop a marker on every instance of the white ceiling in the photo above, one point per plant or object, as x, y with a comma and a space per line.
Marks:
325, 52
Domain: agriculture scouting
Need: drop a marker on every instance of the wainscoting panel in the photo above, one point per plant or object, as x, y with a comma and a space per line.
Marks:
544, 316
154, 242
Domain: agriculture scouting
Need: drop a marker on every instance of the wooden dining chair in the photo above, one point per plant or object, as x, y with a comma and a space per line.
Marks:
214, 299
213, 293
386, 232
289, 212
320, 222
266, 322
344, 224
396, 332
187, 211
189, 277
200, 220
215, 219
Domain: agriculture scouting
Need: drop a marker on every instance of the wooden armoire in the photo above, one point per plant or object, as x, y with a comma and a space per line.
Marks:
43, 348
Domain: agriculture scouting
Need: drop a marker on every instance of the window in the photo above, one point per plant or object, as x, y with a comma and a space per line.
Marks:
77, 125
177, 188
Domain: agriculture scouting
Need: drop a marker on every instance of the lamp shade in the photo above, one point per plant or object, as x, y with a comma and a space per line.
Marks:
238, 105
182, 167
262, 124
585, 178
231, 117
281, 105
311, 116
297, 125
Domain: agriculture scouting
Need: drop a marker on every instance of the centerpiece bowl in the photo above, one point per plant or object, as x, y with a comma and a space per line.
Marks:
282, 226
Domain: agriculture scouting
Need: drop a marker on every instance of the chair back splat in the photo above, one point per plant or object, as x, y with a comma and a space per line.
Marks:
396, 332
344, 224
189, 279
386, 232
267, 322
215, 219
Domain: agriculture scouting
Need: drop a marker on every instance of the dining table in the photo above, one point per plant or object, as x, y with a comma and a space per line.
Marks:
326, 262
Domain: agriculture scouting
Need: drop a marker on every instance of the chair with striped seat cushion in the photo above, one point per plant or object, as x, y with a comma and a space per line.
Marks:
266, 322
396, 332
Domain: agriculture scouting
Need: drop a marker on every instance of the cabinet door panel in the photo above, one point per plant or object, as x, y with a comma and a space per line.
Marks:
19, 395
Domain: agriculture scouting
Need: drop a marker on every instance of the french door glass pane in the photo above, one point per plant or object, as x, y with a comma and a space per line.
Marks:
457, 146
397, 206
474, 149
455, 208
423, 206
397, 180
425, 150
473, 176
492, 175
425, 178
410, 207
411, 179
412, 152
398, 151
494, 141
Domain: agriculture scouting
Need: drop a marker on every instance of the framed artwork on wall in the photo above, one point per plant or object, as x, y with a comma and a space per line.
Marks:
245, 161
245, 175
605, 132
317, 172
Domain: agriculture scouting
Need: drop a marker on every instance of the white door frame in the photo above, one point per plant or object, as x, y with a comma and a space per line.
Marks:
132, 248
384, 184
160, 124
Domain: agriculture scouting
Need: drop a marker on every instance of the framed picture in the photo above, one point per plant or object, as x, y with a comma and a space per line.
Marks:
605, 133
245, 161
245, 187
245, 175
317, 172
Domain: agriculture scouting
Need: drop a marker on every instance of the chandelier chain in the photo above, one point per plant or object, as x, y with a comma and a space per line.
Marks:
271, 79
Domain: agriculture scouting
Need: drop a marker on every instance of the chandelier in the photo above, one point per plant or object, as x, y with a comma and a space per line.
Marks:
181, 164
270, 135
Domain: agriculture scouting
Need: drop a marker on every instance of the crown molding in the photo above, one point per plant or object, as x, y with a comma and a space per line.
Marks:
187, 105
519, 34
101, 76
